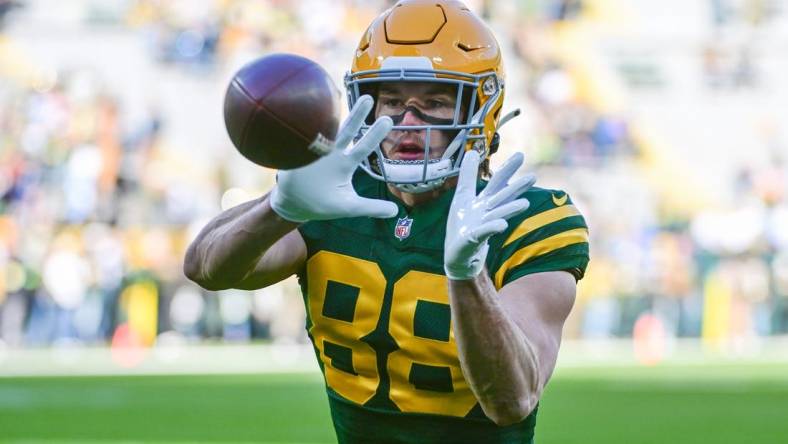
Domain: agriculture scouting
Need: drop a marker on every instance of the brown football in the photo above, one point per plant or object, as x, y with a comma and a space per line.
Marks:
282, 111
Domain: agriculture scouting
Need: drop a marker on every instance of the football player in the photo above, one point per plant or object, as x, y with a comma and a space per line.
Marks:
435, 299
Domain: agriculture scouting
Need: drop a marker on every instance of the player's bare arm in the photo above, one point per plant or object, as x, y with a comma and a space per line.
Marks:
248, 246
509, 365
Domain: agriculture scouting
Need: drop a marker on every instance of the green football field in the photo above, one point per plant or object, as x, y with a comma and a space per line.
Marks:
670, 404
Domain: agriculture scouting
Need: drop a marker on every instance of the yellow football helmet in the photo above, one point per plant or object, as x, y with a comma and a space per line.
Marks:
432, 41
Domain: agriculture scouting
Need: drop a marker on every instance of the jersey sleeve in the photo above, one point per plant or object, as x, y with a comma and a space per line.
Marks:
551, 235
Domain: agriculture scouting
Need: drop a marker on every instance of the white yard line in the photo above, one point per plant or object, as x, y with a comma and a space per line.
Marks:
270, 358
170, 360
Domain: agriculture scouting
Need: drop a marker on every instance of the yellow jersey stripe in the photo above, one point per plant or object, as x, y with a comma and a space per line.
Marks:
540, 220
544, 246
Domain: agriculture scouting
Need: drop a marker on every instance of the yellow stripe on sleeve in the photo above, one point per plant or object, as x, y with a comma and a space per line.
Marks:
539, 220
544, 246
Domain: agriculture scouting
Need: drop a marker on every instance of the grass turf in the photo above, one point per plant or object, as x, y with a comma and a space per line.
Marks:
691, 404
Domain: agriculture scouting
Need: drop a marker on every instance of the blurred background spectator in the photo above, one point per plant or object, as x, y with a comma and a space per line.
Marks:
665, 128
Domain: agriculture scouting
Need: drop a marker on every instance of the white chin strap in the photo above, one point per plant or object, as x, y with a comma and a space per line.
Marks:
407, 176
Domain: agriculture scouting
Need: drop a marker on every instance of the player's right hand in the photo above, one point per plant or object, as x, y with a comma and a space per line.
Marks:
323, 190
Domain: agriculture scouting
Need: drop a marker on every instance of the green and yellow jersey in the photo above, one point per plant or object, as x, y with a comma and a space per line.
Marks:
378, 314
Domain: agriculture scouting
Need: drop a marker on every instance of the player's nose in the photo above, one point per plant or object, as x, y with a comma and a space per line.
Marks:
411, 118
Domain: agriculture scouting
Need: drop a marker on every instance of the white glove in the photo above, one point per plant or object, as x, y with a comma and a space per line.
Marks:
473, 219
323, 190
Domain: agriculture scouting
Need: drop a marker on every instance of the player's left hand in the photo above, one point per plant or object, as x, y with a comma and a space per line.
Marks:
474, 219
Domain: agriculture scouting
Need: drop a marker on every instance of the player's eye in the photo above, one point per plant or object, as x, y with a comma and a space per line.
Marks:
435, 104
392, 102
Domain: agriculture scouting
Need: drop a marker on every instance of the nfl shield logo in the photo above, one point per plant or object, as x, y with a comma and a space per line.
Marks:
402, 230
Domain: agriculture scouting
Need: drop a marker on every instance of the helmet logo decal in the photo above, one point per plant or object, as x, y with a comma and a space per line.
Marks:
489, 87
402, 229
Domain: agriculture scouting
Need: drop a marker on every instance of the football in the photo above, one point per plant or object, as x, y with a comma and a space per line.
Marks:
282, 111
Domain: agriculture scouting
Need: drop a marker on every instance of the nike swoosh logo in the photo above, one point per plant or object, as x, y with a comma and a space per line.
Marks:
558, 201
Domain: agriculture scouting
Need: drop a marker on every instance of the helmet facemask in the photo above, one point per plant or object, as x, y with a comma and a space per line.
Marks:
464, 125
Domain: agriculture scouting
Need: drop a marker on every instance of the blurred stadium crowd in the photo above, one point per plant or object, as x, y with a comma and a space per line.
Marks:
97, 207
